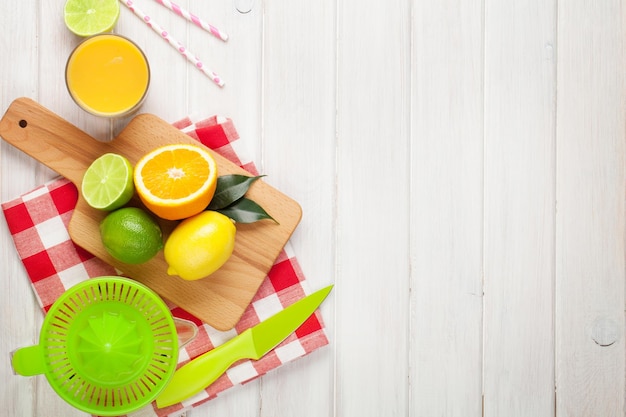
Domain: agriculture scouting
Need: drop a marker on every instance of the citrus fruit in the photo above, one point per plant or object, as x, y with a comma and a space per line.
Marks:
176, 181
108, 182
199, 245
131, 235
90, 17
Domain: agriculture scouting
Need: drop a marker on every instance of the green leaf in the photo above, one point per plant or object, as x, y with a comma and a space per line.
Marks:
229, 189
245, 210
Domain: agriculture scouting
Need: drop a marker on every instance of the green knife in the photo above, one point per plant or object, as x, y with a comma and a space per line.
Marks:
253, 343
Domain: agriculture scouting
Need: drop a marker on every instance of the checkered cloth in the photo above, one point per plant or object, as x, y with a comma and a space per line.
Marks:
38, 224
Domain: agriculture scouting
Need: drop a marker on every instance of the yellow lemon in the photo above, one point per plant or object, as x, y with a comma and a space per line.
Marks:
199, 245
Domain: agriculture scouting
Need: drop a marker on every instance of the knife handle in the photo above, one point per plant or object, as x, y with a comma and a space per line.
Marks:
202, 371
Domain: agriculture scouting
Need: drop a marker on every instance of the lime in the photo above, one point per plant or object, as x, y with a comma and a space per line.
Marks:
108, 182
90, 17
131, 235
200, 245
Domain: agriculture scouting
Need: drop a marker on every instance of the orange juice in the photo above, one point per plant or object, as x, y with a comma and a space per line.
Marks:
107, 75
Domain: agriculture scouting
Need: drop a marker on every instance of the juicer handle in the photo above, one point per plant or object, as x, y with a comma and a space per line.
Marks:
186, 331
28, 361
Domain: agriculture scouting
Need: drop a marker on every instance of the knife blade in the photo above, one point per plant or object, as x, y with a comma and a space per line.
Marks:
252, 343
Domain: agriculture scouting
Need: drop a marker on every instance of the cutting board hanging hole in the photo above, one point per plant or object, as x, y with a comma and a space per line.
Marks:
23, 123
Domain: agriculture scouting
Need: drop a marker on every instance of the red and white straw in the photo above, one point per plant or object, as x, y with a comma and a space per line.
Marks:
194, 19
173, 42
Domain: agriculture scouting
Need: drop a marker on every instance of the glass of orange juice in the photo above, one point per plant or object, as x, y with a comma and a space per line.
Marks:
108, 75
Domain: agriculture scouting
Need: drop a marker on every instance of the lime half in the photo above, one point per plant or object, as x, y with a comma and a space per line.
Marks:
108, 182
90, 17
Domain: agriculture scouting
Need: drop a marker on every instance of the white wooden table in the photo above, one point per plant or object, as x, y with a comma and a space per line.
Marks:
461, 169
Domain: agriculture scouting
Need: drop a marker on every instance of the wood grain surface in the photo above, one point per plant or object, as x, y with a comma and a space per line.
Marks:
461, 168
220, 299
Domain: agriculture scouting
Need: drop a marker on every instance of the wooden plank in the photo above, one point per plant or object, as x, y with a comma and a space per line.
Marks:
238, 61
446, 208
182, 90
21, 317
590, 274
53, 47
519, 228
298, 104
168, 94
373, 208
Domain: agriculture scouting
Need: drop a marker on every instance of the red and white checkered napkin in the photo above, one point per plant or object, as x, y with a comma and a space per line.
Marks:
38, 224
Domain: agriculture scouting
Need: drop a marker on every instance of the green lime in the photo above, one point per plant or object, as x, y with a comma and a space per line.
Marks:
108, 182
90, 17
131, 235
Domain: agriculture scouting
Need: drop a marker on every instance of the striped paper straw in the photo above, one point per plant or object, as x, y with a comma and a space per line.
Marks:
194, 19
173, 42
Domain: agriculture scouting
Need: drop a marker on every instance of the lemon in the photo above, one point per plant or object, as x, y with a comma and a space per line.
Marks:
131, 235
108, 182
90, 17
199, 245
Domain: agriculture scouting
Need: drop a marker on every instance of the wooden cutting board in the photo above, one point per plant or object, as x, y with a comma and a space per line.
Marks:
218, 300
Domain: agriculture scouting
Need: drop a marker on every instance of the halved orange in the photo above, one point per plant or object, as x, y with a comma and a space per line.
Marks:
176, 181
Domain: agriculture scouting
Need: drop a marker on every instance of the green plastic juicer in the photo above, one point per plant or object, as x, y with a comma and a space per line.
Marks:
108, 346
